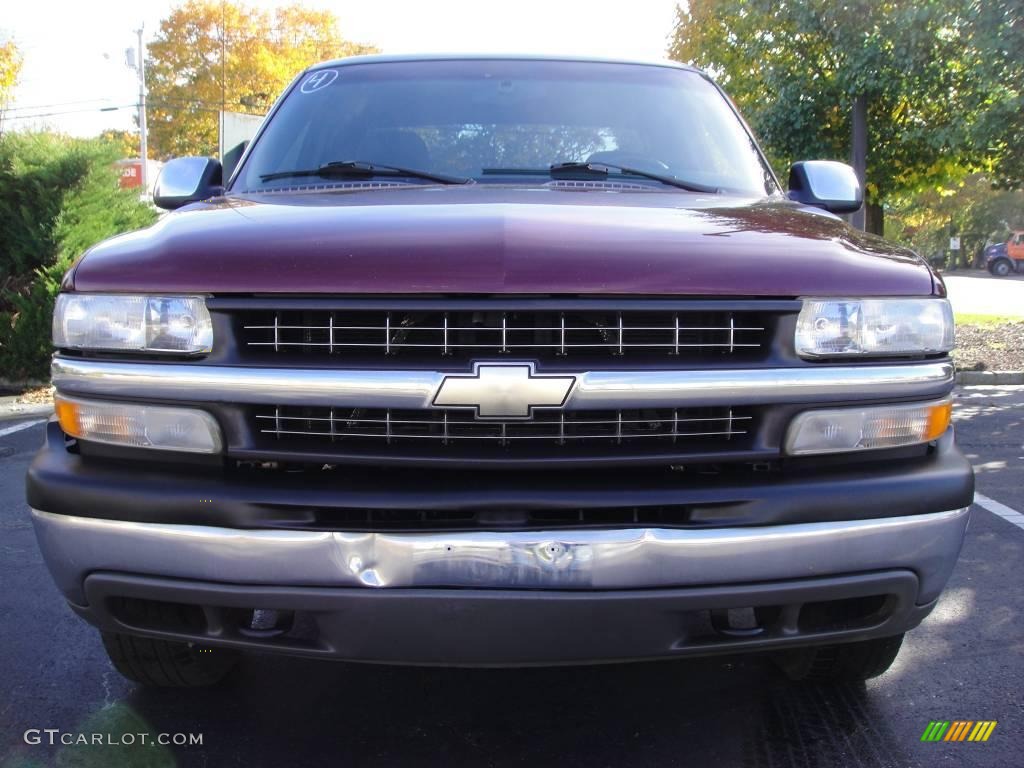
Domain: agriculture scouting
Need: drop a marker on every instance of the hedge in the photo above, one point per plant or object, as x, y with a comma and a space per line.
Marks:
58, 196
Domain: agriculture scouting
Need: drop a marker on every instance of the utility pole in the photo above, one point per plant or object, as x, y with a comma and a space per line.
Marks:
859, 156
223, 76
140, 68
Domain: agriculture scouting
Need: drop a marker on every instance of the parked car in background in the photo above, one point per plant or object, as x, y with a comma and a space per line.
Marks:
1003, 259
495, 361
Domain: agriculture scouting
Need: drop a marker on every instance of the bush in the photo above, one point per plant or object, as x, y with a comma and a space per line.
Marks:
36, 171
58, 196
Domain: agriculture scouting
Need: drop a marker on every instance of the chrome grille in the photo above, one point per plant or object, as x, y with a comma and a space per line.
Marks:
458, 426
471, 333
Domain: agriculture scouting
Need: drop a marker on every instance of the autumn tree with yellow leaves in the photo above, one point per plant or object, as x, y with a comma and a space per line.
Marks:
211, 55
10, 68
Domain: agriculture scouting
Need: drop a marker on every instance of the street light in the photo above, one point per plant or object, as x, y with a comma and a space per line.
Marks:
140, 67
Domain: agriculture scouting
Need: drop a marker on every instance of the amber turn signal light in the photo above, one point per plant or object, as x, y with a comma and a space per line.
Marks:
140, 426
872, 427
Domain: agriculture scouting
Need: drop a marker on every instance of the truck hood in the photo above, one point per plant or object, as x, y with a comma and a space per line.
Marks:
502, 240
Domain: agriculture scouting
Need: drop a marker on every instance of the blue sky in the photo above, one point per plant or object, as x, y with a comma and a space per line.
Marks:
74, 51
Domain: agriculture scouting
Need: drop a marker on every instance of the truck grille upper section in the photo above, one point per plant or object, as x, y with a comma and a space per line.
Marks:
470, 334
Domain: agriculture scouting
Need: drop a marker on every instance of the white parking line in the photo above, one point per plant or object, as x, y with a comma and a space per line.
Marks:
19, 427
996, 508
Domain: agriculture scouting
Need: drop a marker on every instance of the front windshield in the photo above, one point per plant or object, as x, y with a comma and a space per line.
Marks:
508, 121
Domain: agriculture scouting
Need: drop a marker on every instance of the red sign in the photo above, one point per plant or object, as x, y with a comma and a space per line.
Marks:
131, 174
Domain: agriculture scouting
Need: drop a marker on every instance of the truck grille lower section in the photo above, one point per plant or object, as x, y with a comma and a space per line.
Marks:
451, 427
471, 334
370, 519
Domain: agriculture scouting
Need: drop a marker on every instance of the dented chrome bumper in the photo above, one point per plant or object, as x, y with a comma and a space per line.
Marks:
617, 559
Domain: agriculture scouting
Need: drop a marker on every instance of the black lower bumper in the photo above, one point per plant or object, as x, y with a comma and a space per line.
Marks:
509, 627
63, 482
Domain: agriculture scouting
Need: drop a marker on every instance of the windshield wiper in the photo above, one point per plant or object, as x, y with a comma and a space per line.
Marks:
602, 169
364, 170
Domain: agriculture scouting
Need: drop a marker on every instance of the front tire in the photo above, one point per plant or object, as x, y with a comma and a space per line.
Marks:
843, 662
167, 664
1001, 268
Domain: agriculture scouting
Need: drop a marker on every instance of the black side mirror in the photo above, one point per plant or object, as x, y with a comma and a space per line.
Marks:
187, 180
231, 158
825, 184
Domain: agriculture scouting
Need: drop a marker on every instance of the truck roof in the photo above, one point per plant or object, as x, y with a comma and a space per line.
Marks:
413, 57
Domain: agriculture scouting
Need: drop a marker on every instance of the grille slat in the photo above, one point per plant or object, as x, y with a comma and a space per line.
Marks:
465, 332
504, 348
477, 328
445, 426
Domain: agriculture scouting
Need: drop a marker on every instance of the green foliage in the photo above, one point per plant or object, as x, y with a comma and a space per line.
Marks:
999, 42
58, 196
36, 171
942, 80
25, 326
984, 321
970, 209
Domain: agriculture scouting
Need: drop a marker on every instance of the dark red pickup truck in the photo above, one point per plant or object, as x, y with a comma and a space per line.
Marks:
501, 361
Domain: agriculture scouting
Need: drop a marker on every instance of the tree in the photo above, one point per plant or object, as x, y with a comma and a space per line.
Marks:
796, 67
10, 68
210, 56
998, 38
971, 210
125, 143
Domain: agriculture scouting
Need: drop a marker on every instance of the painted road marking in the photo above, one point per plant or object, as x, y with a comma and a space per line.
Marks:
1003, 511
19, 427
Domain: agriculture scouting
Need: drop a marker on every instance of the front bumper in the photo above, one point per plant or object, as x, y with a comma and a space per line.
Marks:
617, 559
509, 598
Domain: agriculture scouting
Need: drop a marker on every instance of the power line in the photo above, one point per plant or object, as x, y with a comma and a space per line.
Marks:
68, 112
204, 106
57, 104
215, 106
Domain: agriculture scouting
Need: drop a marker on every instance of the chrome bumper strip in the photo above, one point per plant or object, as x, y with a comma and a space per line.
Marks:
594, 390
928, 544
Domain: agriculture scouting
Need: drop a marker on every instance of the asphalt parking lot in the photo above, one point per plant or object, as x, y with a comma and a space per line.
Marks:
966, 662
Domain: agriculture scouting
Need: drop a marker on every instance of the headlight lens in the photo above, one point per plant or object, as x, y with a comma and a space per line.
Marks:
860, 429
139, 426
172, 324
867, 327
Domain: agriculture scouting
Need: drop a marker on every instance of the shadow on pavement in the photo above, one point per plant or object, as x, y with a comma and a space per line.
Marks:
734, 712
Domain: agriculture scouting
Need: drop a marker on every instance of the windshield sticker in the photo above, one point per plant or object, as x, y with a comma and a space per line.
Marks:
319, 80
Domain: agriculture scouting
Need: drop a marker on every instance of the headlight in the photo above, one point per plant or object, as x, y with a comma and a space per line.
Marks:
174, 324
860, 429
139, 426
869, 327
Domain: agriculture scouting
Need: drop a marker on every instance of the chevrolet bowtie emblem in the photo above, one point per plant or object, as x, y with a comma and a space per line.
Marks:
503, 390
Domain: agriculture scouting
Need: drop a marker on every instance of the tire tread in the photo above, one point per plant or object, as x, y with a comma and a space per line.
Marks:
847, 662
165, 663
